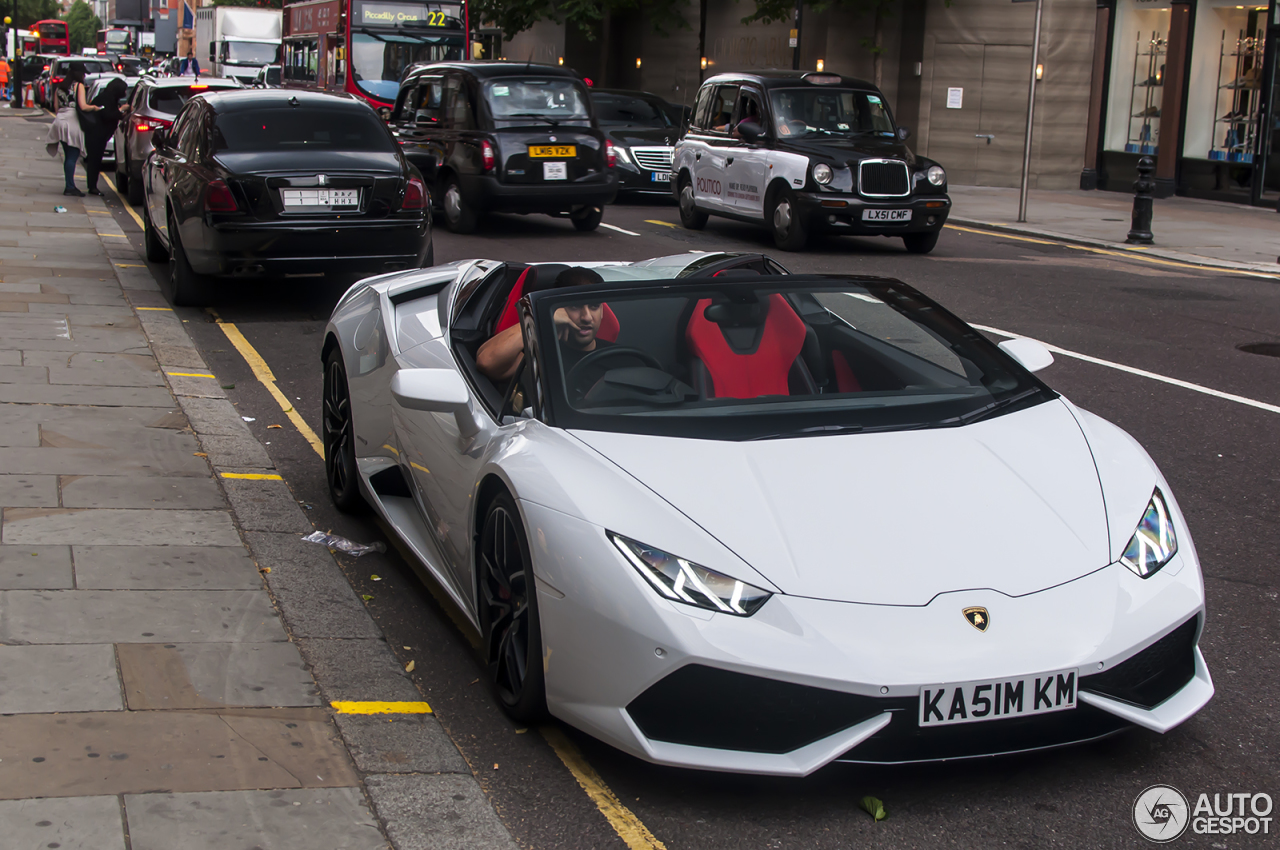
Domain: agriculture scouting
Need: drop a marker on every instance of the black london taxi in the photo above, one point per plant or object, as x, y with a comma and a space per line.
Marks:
505, 137
802, 152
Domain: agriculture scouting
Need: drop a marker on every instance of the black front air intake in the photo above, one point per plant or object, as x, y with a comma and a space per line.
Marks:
1154, 674
884, 179
705, 707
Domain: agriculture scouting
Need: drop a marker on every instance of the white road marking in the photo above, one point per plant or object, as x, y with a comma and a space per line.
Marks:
619, 229
1142, 373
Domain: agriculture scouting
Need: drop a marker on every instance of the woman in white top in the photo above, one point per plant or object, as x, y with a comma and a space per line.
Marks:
72, 102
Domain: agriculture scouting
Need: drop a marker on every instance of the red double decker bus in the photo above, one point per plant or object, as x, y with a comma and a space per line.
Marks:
51, 37
363, 46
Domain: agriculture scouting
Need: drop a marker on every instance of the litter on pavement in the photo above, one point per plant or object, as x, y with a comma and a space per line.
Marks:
342, 544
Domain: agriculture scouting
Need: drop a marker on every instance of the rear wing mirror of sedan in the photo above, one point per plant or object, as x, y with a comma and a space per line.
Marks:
904, 133
436, 391
1029, 353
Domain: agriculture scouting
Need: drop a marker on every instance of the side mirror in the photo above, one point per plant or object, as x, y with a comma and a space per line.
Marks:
750, 131
1031, 355
159, 138
904, 133
436, 391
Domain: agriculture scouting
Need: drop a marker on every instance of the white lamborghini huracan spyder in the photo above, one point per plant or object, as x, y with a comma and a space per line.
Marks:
729, 518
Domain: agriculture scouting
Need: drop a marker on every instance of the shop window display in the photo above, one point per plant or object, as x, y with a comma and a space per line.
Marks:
1224, 86
1139, 51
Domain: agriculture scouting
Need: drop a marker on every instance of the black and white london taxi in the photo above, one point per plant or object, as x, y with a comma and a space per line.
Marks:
803, 152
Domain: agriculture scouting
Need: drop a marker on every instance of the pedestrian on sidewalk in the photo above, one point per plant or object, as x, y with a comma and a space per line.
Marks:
99, 127
4, 77
66, 128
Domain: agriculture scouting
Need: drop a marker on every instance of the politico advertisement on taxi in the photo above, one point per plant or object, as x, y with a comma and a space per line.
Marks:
1163, 814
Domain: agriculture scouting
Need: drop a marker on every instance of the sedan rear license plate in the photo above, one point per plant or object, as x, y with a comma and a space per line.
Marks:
320, 198
554, 171
886, 215
974, 702
548, 151
661, 177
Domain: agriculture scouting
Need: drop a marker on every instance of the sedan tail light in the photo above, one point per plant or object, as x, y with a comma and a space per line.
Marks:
415, 195
487, 154
611, 157
143, 125
56, 80
218, 198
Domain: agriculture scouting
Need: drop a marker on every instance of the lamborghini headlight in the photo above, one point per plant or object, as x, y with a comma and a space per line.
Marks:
1154, 543
684, 581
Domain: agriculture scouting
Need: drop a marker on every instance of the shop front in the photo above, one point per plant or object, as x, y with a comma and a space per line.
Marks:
1192, 84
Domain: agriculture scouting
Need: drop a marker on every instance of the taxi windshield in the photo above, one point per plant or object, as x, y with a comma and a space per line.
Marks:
548, 100
755, 357
827, 111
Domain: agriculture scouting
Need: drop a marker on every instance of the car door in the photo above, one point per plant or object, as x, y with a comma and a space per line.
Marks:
156, 173
709, 162
420, 124
746, 165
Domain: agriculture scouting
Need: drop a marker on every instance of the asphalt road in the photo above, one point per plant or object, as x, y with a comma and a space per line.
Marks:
1221, 457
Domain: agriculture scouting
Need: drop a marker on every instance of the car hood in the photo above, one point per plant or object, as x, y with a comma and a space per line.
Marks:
315, 161
642, 135
852, 150
1012, 504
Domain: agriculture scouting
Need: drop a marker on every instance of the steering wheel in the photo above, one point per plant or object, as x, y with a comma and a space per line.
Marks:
608, 352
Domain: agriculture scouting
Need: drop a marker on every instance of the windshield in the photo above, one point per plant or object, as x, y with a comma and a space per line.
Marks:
90, 66
117, 37
378, 59
620, 110
252, 52
130, 66
169, 100
764, 357
273, 75
557, 100
301, 129
824, 111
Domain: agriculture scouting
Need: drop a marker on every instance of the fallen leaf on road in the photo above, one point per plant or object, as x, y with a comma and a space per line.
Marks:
266, 569
366, 597
376, 578
874, 807
408, 647
495, 765
473, 681
521, 731
199, 454
275, 426
408, 668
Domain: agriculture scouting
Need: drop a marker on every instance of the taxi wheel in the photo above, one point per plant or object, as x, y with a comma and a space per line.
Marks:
458, 215
690, 216
920, 243
789, 231
586, 219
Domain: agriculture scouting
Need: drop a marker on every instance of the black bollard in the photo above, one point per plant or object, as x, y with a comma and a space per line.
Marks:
1143, 196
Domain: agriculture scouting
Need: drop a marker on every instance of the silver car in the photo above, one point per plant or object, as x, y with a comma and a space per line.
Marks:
154, 104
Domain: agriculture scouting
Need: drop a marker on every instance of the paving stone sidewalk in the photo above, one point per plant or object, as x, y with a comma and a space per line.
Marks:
169, 648
1210, 233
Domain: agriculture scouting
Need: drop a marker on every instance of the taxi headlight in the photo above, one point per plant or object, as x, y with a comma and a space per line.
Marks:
822, 173
936, 175
684, 581
1154, 543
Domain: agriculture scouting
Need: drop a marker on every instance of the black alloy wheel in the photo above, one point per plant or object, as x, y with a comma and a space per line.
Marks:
587, 218
509, 613
156, 252
690, 216
183, 287
921, 243
786, 221
337, 432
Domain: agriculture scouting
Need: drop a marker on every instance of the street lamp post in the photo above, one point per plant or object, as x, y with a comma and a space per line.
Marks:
1031, 113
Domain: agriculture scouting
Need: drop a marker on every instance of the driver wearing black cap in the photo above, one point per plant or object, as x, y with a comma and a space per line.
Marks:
576, 328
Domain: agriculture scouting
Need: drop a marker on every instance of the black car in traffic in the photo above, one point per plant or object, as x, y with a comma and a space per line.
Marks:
643, 128
505, 137
256, 184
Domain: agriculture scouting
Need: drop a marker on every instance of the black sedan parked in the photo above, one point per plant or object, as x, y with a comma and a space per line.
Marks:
505, 137
280, 183
643, 128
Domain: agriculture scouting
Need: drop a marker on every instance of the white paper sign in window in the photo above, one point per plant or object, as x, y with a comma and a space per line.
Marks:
955, 98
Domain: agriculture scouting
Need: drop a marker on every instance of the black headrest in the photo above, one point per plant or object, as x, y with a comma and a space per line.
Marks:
542, 276
737, 314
